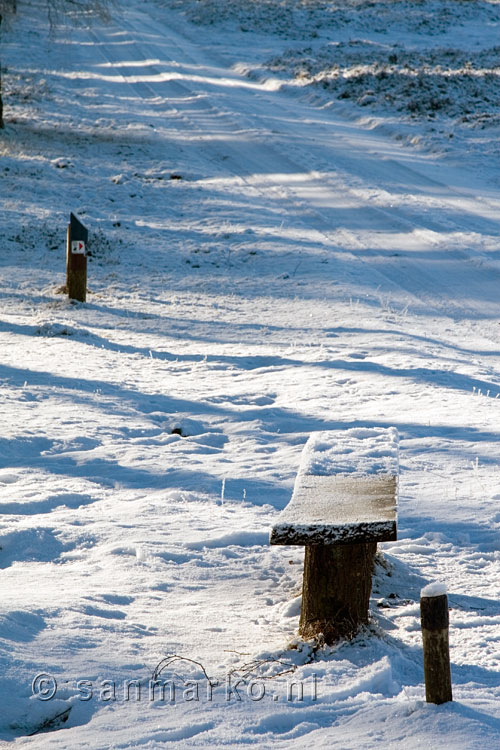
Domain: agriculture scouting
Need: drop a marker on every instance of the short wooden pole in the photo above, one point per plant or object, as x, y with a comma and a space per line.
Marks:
336, 590
435, 627
76, 260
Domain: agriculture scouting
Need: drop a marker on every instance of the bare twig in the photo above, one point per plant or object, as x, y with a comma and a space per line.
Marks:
52, 723
250, 668
168, 660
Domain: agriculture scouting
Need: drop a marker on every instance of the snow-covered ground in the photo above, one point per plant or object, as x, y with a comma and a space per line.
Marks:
270, 257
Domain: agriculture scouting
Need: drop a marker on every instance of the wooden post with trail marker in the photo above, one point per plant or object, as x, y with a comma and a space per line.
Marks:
76, 260
435, 624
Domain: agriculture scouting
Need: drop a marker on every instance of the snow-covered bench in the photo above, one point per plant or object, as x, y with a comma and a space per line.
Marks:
343, 503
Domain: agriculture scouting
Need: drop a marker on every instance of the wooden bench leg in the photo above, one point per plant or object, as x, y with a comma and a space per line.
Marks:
336, 589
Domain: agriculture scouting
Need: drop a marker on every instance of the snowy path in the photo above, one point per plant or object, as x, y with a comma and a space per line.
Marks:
303, 274
364, 197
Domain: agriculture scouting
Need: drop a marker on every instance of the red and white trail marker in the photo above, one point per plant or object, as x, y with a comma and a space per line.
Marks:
78, 247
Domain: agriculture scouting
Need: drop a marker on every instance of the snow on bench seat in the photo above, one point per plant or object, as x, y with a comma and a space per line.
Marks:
345, 490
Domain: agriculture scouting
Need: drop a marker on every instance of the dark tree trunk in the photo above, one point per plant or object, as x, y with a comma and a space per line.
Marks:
1, 100
336, 590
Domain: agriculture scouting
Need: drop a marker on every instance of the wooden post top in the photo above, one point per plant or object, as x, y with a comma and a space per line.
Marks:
342, 508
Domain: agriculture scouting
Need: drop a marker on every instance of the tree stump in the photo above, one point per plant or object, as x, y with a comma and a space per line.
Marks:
336, 590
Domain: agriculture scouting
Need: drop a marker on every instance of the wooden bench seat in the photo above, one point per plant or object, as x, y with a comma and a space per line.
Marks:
343, 503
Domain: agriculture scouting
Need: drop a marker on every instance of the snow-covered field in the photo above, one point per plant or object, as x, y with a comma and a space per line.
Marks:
294, 219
